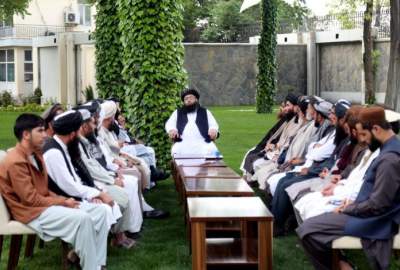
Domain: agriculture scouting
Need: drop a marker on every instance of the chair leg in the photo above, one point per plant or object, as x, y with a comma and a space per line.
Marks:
41, 244
1, 245
30, 244
335, 259
64, 255
15, 249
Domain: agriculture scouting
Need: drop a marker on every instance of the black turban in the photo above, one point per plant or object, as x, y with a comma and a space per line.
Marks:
67, 122
92, 106
292, 98
303, 104
190, 92
51, 112
341, 107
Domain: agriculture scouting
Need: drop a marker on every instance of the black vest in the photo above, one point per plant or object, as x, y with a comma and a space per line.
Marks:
51, 144
201, 122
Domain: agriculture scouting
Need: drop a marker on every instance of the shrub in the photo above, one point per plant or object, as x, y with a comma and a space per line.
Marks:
88, 93
37, 95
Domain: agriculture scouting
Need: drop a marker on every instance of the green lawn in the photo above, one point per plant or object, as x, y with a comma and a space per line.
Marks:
163, 244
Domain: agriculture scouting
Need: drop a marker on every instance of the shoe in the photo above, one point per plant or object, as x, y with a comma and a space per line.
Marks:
253, 184
157, 175
133, 236
156, 214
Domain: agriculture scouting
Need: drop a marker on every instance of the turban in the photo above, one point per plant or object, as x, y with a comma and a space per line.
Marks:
92, 106
303, 104
109, 109
67, 122
115, 99
85, 114
292, 98
341, 107
323, 107
49, 114
392, 116
190, 92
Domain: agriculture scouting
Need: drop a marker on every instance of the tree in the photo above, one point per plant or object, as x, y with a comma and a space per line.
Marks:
10, 7
152, 57
393, 81
266, 79
109, 81
367, 57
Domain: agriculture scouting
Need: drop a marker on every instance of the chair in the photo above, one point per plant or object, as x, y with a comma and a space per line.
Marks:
16, 230
350, 242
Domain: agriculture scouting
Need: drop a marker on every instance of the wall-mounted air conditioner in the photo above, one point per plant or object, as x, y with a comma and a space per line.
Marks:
71, 17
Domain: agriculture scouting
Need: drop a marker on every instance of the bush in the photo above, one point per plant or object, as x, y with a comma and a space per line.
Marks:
32, 107
37, 95
6, 99
88, 93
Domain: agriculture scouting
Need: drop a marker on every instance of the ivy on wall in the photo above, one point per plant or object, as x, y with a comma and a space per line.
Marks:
266, 79
152, 58
108, 51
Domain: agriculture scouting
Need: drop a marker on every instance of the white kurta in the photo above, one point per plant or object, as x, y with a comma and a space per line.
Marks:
314, 204
192, 142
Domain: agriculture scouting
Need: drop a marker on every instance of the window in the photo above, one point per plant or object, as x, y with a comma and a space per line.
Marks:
28, 66
7, 72
84, 13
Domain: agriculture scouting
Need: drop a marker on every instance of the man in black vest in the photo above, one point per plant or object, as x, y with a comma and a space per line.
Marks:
192, 127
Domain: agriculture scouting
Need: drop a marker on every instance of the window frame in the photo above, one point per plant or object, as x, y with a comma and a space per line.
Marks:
6, 63
28, 62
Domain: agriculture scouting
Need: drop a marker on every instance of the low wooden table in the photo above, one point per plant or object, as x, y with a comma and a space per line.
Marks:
193, 162
202, 172
252, 250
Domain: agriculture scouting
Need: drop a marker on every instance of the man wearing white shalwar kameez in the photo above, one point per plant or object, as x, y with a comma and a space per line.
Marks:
192, 127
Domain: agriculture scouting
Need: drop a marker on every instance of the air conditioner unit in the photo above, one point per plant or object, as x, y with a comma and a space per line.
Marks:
71, 17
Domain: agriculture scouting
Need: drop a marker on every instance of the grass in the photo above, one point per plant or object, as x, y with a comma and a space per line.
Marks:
163, 245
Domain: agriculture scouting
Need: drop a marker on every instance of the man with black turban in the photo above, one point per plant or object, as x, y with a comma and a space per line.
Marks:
192, 127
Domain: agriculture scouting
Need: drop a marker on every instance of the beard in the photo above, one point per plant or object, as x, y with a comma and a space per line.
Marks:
289, 115
375, 144
340, 135
73, 149
190, 108
92, 138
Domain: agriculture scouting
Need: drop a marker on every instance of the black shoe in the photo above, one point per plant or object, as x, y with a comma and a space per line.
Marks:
133, 236
157, 175
156, 214
253, 184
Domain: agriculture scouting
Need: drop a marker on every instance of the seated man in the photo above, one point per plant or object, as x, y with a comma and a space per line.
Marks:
192, 127
23, 184
374, 215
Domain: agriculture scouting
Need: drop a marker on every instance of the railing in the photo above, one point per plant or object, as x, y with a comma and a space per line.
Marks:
30, 31
242, 33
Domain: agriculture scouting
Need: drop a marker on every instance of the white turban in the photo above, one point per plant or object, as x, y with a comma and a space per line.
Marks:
109, 108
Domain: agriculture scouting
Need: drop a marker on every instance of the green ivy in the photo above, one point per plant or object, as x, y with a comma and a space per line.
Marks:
152, 58
108, 50
266, 79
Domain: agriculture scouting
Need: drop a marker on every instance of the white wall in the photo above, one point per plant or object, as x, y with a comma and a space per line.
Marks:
49, 69
51, 12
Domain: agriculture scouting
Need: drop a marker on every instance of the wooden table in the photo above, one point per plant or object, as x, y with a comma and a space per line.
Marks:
193, 162
252, 250
214, 187
202, 172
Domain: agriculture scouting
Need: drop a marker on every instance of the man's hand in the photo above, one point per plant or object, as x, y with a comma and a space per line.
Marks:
269, 147
71, 203
213, 134
304, 171
336, 178
105, 198
324, 173
296, 161
119, 163
121, 143
119, 182
328, 190
343, 206
173, 133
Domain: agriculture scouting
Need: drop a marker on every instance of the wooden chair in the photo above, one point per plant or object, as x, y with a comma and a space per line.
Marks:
17, 230
349, 242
